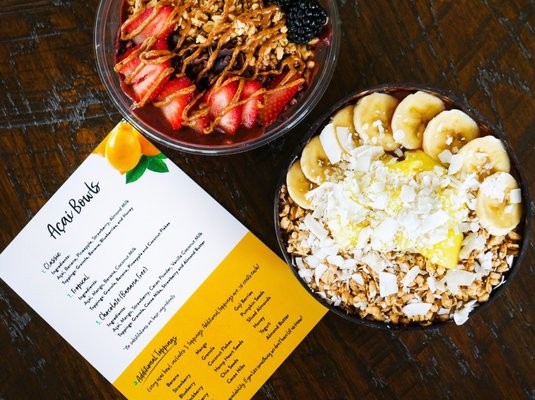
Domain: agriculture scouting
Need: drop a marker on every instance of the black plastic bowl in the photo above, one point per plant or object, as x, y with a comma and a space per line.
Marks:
401, 91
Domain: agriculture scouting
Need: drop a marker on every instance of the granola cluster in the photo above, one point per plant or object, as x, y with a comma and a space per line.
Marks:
356, 290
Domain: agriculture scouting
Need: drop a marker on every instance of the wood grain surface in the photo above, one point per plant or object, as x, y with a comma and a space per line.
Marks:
54, 111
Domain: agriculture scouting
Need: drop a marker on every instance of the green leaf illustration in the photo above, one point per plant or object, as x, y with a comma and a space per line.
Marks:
136, 173
157, 165
160, 156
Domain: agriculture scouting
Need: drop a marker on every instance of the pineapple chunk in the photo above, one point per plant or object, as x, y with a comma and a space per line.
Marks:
446, 252
415, 161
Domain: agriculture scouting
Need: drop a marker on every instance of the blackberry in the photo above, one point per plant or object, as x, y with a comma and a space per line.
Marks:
304, 20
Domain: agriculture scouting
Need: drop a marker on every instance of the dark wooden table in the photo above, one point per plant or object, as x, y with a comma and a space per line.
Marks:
54, 111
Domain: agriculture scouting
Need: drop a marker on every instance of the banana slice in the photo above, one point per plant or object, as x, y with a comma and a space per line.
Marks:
344, 118
483, 156
372, 118
411, 117
298, 185
314, 161
498, 204
447, 133
345, 129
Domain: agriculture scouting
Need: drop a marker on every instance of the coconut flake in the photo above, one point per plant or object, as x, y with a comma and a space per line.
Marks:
414, 309
460, 316
377, 123
471, 242
312, 261
374, 262
327, 250
380, 202
456, 162
373, 292
363, 156
494, 186
432, 284
330, 144
315, 227
407, 194
445, 156
434, 220
336, 260
318, 272
464, 227
441, 285
358, 278
387, 284
485, 261
510, 259
386, 231
411, 276
306, 274
515, 196
364, 237
456, 277
362, 305
299, 263
398, 152
361, 163
350, 264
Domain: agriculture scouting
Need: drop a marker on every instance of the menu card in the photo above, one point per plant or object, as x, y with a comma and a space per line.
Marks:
154, 283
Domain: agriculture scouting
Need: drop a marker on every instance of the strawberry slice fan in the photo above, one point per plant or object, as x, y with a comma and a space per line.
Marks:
148, 70
173, 99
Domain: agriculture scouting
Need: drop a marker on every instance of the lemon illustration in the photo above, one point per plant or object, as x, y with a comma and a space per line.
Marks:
123, 148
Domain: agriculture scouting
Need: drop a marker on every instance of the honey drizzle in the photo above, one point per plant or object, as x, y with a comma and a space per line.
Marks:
223, 29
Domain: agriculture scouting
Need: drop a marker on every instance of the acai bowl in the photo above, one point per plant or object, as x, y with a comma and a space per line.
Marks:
403, 208
216, 76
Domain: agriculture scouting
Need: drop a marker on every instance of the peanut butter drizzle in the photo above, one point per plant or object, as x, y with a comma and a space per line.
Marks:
256, 45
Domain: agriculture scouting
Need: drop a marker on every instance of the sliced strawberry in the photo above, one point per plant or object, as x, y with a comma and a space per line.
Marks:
147, 82
128, 68
158, 26
174, 109
277, 100
252, 107
218, 100
199, 124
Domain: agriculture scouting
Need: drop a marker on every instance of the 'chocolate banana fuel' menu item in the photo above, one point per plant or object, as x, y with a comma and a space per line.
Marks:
154, 283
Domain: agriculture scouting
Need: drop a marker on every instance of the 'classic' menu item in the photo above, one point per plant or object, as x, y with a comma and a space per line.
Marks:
154, 283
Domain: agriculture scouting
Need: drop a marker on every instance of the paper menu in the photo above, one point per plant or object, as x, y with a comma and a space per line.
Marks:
155, 284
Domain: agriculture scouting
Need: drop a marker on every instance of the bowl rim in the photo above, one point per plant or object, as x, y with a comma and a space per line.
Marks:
296, 115
481, 121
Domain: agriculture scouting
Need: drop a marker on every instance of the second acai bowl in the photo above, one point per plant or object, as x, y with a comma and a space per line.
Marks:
216, 76
404, 208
